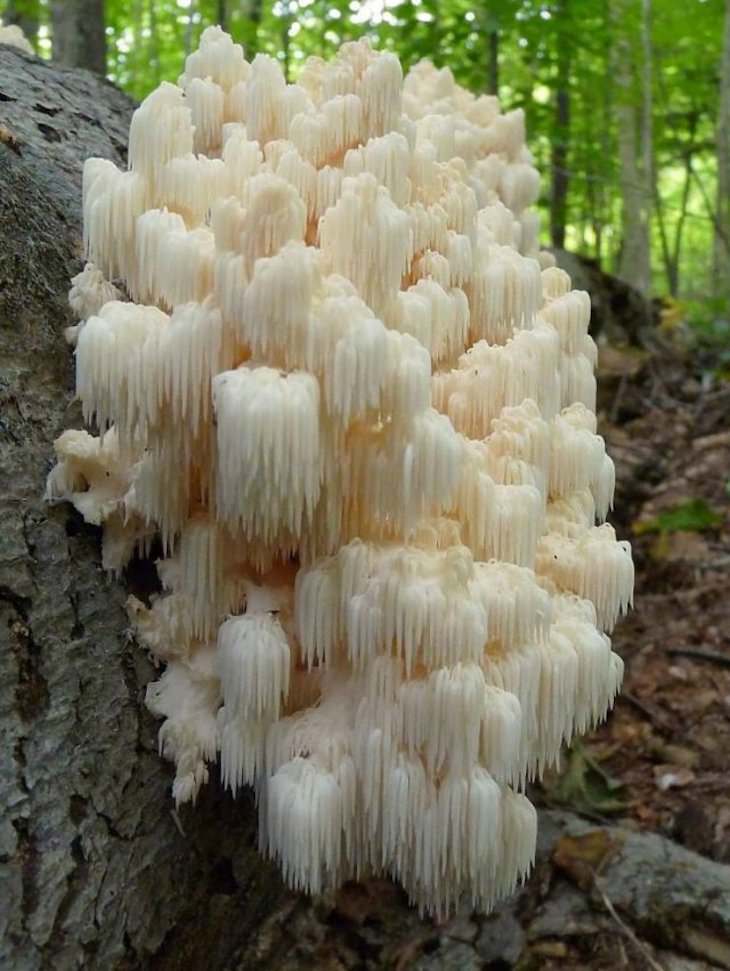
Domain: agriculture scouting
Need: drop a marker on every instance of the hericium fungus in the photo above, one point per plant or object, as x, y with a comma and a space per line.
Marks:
355, 402
13, 36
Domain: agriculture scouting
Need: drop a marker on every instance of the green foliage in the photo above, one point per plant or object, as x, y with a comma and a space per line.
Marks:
541, 44
585, 785
709, 336
693, 516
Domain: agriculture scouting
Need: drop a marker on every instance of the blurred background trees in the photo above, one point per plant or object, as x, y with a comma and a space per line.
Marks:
627, 101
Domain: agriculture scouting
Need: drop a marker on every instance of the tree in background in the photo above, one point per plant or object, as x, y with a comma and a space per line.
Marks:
79, 38
633, 92
564, 29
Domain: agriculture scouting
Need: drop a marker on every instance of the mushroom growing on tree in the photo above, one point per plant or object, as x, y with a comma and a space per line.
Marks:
13, 36
355, 403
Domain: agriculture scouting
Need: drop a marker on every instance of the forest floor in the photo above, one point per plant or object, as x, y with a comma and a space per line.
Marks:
661, 762
663, 755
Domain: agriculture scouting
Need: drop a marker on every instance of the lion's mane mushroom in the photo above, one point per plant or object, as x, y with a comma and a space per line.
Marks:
13, 36
356, 403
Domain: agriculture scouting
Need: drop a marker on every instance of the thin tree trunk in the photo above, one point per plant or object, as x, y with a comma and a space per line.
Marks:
493, 61
561, 137
223, 14
252, 10
604, 185
598, 241
721, 243
24, 14
669, 266
154, 43
79, 39
286, 25
631, 115
679, 227
647, 133
189, 28
671, 251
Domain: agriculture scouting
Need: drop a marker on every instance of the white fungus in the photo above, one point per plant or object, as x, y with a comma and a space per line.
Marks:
13, 36
356, 404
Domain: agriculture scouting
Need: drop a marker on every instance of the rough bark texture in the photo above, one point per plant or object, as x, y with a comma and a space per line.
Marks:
95, 869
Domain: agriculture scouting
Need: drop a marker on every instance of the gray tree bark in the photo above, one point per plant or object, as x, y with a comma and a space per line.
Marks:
79, 39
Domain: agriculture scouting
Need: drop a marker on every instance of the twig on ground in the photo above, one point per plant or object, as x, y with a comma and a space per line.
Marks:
700, 655
656, 717
616, 404
625, 929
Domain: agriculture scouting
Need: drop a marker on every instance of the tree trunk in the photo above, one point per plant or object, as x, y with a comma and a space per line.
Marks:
647, 134
154, 43
25, 14
633, 94
561, 133
222, 14
493, 60
671, 251
252, 11
721, 243
286, 22
189, 28
79, 39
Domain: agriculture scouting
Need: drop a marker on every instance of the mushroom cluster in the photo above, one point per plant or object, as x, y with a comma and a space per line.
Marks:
13, 36
350, 403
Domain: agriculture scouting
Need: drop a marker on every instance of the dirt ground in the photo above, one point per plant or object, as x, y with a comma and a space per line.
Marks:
667, 426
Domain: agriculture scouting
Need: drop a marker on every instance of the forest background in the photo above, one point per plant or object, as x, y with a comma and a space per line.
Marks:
627, 104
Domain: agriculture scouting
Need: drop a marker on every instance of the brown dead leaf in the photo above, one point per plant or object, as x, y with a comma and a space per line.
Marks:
672, 777
354, 903
679, 672
680, 755
9, 138
550, 949
581, 857
646, 815
620, 362
359, 901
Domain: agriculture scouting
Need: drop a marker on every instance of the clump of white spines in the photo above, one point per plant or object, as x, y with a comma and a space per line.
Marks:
356, 403
13, 36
